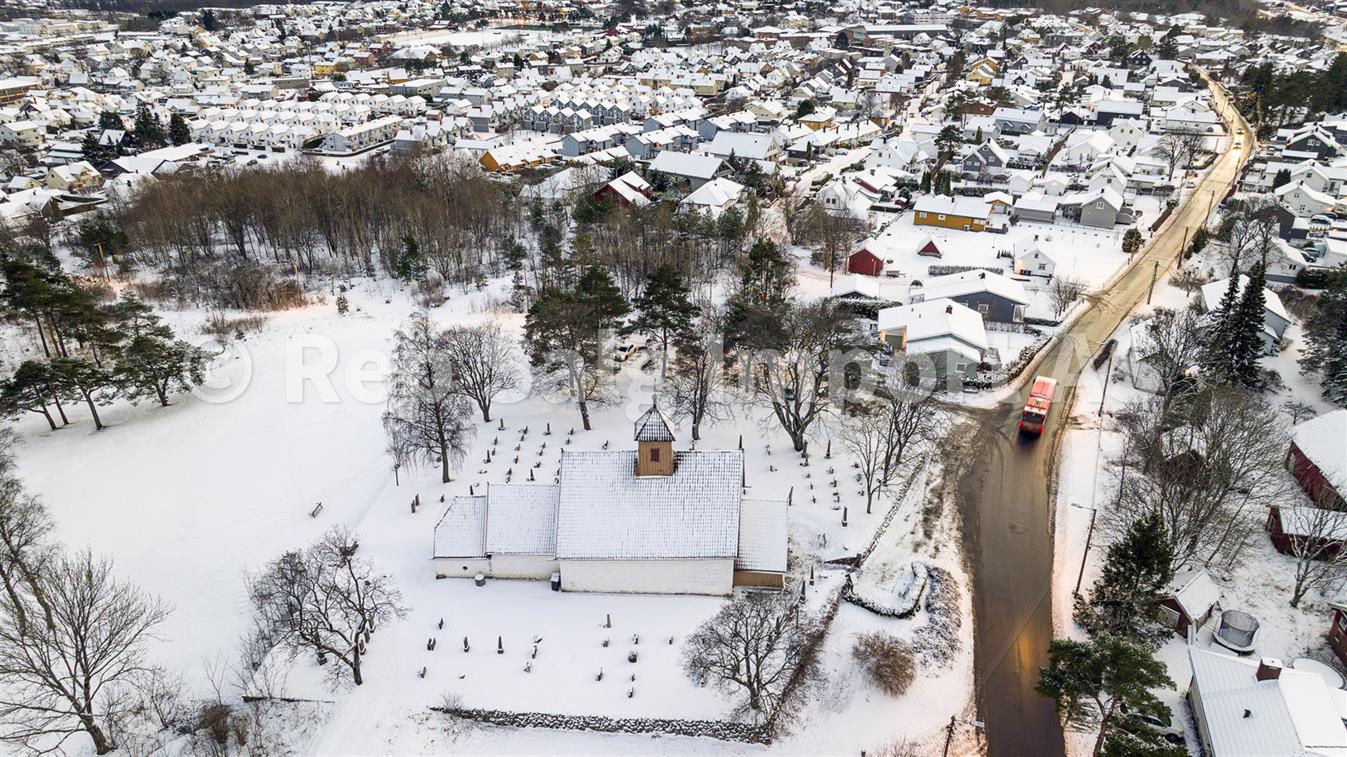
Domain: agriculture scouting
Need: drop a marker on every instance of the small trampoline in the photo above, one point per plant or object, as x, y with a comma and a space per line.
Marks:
1237, 631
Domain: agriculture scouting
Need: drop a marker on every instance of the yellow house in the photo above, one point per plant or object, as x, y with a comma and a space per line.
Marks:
819, 119
324, 68
962, 213
512, 158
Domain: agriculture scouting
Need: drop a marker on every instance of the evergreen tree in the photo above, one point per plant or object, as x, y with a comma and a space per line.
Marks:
410, 264
32, 388
1326, 339
208, 21
97, 154
148, 130
151, 365
1107, 684
1122, 602
925, 185
1246, 332
664, 310
597, 290
1217, 358
1131, 241
178, 133
1281, 178
109, 120
81, 379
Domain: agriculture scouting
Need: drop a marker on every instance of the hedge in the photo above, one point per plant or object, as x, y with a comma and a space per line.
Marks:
716, 729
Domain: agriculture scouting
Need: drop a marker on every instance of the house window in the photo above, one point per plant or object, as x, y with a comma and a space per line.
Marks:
1042, 266
941, 217
961, 367
923, 214
983, 308
654, 454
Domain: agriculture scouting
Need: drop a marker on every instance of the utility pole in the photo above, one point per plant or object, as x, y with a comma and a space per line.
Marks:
1103, 394
949, 736
1088, 536
1154, 273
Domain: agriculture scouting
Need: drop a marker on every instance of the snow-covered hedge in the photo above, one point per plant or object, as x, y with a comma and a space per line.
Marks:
908, 601
937, 641
716, 729
944, 270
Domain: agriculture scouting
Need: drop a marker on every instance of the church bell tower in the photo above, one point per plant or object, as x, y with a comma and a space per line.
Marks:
654, 444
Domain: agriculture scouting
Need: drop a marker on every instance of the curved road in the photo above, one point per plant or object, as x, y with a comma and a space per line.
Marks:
1004, 492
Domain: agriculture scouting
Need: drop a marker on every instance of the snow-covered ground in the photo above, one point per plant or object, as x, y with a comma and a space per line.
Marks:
190, 498
1259, 584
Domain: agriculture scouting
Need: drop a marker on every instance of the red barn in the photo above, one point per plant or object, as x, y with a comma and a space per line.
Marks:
1337, 633
1317, 458
865, 263
930, 249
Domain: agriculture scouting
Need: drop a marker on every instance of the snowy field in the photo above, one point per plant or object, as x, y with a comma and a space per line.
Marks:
192, 497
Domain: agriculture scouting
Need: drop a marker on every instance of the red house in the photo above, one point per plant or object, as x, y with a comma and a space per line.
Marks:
865, 263
930, 249
1317, 458
1337, 633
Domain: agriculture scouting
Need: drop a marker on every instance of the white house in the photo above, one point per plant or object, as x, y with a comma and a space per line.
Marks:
950, 335
1030, 260
654, 521
1245, 708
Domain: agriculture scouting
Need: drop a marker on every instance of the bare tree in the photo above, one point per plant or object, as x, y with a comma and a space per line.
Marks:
1172, 347
1064, 291
696, 388
1315, 538
326, 600
863, 433
794, 381
1170, 150
756, 643
485, 362
1207, 467
24, 549
72, 666
427, 418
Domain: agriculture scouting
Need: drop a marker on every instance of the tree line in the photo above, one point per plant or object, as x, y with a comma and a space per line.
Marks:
94, 348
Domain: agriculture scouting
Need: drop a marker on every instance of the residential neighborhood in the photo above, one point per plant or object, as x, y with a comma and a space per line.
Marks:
630, 377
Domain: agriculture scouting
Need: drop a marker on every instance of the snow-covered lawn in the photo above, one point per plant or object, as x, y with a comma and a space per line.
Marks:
188, 499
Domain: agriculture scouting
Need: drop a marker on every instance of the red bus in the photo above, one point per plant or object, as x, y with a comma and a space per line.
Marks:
1036, 408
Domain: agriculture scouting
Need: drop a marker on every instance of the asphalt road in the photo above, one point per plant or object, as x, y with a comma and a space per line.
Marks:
1004, 494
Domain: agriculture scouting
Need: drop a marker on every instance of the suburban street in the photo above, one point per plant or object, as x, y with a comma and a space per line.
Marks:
1005, 489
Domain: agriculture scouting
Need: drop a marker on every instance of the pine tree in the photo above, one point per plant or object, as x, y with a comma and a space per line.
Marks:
597, 290
410, 264
178, 133
1326, 340
1136, 571
1116, 677
664, 310
33, 389
109, 120
925, 185
151, 365
1131, 241
79, 378
149, 131
1246, 335
1217, 359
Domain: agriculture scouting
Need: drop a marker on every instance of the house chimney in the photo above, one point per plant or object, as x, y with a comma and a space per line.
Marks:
982, 275
1269, 669
949, 309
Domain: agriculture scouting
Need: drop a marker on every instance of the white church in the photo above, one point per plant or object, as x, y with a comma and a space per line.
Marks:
653, 521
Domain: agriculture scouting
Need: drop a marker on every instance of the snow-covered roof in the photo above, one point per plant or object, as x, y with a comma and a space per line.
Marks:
762, 535
461, 531
1321, 440
522, 519
653, 426
970, 282
1195, 592
606, 511
936, 326
1314, 522
686, 164
1213, 291
1291, 714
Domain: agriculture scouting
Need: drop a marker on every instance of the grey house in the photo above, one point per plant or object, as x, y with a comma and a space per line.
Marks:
1099, 208
988, 158
993, 296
